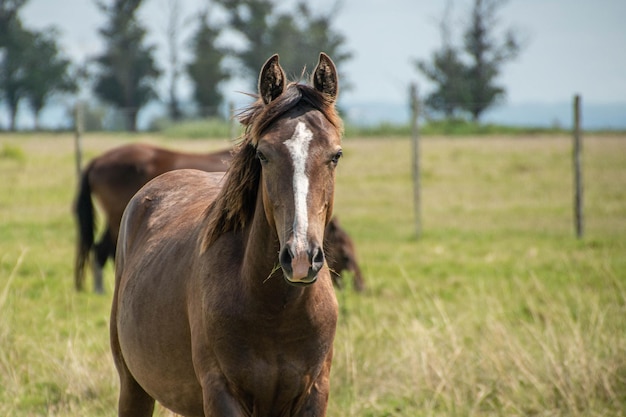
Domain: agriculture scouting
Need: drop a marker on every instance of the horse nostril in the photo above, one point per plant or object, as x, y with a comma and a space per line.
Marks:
317, 259
285, 258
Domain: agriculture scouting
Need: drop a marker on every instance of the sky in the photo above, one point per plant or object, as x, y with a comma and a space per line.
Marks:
570, 46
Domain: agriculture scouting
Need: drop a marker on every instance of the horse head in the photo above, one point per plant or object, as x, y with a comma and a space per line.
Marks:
298, 153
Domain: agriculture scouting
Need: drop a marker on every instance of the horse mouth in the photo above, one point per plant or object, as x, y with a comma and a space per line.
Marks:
300, 282
304, 278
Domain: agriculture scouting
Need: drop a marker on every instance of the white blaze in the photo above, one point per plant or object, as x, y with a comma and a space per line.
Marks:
298, 147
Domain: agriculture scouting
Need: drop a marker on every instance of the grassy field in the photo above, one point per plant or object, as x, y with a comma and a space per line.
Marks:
497, 310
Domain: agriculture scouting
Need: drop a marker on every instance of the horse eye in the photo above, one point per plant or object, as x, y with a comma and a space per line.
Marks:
261, 157
336, 157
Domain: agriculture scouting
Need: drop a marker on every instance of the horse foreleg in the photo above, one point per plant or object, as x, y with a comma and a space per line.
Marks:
134, 401
96, 268
316, 402
359, 282
102, 250
218, 400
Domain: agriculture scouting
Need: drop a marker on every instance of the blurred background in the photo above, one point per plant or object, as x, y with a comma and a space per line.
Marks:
192, 58
483, 297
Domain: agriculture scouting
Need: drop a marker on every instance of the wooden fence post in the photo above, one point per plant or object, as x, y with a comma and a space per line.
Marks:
577, 165
415, 136
78, 133
232, 121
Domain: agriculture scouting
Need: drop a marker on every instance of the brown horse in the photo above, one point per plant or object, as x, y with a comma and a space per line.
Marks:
202, 320
113, 178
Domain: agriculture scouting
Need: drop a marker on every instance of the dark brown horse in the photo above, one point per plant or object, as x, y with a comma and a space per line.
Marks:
223, 302
340, 254
113, 178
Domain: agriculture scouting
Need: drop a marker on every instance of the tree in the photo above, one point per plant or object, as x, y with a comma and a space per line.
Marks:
465, 77
30, 65
250, 18
173, 34
8, 14
47, 72
298, 37
487, 56
206, 70
316, 35
127, 67
447, 71
14, 42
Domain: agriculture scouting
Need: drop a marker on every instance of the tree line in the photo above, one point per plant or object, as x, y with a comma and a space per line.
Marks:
33, 67
124, 75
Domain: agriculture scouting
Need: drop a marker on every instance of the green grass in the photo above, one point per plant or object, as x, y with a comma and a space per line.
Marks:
497, 310
11, 152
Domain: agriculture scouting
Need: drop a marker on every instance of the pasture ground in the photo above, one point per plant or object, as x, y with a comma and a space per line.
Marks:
497, 310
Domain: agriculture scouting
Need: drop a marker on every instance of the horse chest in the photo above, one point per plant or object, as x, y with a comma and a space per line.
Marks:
268, 366
271, 384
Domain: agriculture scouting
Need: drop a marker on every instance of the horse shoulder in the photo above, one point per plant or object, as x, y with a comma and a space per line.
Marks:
168, 207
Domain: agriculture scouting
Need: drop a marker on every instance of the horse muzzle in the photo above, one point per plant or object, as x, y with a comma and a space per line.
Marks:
301, 267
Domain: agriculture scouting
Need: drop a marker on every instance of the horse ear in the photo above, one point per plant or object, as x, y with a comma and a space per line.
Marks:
325, 77
272, 80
